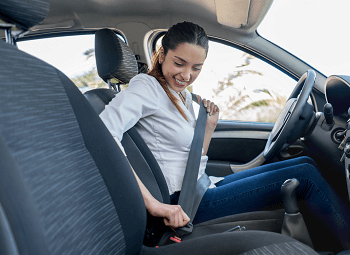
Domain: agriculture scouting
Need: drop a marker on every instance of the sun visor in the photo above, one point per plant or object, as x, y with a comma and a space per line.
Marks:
233, 13
337, 88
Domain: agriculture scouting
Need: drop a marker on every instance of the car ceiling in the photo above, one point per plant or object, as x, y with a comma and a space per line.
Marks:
242, 15
232, 20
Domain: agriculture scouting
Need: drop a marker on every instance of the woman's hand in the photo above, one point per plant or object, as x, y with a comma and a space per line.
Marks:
213, 112
173, 215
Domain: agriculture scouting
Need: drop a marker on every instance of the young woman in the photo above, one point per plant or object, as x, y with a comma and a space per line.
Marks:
161, 108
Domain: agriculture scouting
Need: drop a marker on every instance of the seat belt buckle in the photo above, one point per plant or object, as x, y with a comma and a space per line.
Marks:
185, 230
175, 239
179, 232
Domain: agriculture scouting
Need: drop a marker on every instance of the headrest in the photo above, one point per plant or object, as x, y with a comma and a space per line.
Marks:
114, 59
24, 13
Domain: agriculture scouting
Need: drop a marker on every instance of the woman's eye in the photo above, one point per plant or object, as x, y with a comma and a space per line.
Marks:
196, 69
178, 64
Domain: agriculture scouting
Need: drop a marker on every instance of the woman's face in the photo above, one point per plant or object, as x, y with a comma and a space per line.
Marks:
182, 65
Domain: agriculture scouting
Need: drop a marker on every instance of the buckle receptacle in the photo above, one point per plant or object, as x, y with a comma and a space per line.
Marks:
185, 230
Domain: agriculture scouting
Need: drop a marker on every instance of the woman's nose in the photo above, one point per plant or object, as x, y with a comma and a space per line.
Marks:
186, 75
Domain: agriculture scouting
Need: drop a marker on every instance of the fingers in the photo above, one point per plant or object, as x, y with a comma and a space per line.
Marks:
212, 108
186, 219
176, 217
198, 98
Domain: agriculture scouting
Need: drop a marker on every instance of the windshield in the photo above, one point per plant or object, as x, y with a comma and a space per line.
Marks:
316, 31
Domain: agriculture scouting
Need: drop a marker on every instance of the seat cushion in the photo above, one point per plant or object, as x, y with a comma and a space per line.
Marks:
241, 242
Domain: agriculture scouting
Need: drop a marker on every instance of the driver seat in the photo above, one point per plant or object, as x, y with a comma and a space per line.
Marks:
65, 186
111, 52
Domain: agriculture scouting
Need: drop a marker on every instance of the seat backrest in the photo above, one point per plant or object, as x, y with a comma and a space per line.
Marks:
65, 186
112, 59
99, 98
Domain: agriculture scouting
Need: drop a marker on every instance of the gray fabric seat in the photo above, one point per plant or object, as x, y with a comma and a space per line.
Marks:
65, 186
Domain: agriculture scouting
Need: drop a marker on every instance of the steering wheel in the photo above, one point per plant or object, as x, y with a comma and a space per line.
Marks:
285, 126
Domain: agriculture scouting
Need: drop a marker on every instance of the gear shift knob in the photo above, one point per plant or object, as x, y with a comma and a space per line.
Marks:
293, 222
289, 195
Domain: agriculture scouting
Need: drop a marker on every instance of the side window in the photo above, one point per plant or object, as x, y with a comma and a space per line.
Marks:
73, 55
244, 87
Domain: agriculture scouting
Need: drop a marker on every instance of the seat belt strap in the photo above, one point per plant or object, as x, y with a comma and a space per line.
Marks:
192, 190
203, 184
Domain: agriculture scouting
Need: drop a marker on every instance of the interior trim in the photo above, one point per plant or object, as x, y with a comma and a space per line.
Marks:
258, 161
262, 135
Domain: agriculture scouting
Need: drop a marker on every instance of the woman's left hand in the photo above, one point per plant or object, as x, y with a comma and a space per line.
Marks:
213, 112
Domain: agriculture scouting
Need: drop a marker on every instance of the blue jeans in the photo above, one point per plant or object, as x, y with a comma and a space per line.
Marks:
326, 215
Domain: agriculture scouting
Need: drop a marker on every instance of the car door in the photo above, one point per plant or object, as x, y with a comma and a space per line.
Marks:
250, 94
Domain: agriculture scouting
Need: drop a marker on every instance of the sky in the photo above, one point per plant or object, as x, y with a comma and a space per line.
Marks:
66, 53
317, 31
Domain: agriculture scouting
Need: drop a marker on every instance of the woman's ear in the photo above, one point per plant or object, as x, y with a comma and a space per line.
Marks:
161, 55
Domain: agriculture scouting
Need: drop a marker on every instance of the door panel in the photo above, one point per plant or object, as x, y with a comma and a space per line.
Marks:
238, 143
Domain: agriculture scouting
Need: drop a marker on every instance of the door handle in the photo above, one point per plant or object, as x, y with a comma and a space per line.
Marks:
292, 151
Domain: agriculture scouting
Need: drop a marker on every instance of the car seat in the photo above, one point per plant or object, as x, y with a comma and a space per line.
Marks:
65, 186
109, 48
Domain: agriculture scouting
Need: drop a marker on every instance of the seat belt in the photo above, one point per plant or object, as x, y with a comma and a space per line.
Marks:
192, 191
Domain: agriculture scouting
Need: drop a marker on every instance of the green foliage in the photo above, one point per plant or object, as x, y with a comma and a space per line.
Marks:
89, 79
241, 104
227, 82
266, 91
258, 104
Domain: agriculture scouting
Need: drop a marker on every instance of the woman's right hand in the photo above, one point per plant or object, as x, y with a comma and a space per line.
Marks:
173, 215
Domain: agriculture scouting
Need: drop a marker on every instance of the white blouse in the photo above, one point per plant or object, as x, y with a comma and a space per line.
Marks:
145, 104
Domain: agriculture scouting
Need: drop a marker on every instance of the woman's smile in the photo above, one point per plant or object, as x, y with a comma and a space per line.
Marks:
180, 83
182, 65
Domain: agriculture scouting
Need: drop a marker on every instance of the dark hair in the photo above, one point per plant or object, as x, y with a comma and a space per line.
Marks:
184, 32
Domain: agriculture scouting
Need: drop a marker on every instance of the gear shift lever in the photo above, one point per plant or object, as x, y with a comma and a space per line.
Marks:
293, 223
289, 196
